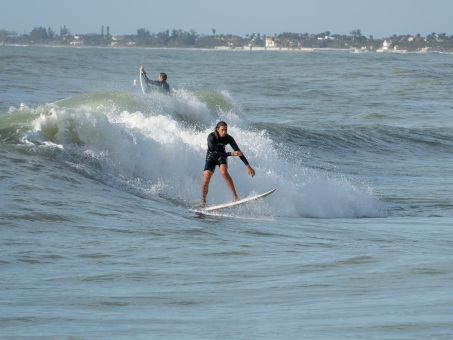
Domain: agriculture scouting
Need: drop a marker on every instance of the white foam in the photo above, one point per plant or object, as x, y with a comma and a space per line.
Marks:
157, 153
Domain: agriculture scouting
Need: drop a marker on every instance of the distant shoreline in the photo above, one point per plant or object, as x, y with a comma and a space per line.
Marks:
225, 48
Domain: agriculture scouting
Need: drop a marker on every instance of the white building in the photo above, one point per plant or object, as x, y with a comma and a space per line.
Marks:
270, 42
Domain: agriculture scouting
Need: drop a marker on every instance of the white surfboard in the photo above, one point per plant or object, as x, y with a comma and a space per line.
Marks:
242, 201
143, 83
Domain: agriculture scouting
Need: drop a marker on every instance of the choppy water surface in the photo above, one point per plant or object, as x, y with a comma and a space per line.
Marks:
99, 233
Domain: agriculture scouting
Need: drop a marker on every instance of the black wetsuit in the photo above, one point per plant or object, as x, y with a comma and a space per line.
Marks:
162, 85
216, 153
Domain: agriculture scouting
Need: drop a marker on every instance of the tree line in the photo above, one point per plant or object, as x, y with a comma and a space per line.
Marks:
191, 39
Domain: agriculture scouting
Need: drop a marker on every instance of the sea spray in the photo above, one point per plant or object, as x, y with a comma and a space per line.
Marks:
156, 153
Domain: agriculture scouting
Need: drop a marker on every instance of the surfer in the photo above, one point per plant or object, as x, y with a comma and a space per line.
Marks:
161, 81
216, 155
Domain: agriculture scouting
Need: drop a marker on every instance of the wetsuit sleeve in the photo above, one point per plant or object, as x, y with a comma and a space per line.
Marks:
235, 147
149, 81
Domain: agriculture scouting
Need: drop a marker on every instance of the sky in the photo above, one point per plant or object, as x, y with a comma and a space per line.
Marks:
377, 18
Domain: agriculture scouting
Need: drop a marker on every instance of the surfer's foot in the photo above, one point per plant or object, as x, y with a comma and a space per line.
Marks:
236, 198
202, 203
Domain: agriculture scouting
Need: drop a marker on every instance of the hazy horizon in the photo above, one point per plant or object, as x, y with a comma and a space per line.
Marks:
379, 19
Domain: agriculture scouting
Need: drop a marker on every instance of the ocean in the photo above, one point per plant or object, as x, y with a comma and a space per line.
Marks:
100, 231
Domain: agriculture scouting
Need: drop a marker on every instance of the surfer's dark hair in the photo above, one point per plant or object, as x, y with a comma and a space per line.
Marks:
219, 124
163, 75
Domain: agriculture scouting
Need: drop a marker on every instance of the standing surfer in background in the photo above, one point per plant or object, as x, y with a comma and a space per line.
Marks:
161, 81
216, 155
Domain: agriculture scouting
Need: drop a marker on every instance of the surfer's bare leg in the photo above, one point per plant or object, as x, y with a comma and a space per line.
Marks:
229, 180
205, 185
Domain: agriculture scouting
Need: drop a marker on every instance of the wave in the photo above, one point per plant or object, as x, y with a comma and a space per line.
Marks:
154, 146
371, 139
